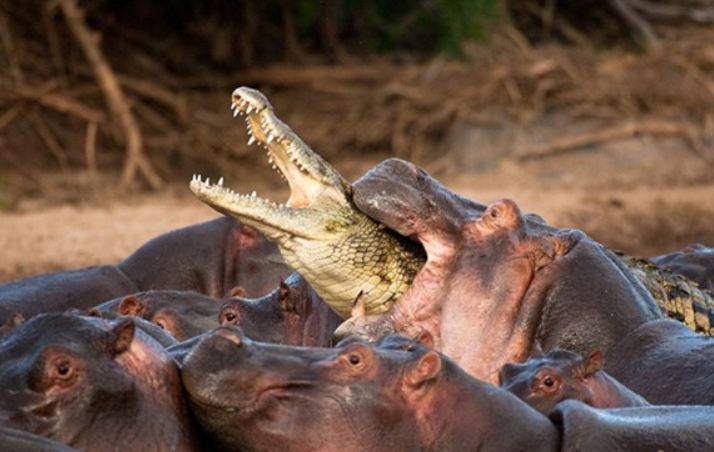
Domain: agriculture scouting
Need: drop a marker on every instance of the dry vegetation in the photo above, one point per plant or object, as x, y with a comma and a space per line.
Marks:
619, 142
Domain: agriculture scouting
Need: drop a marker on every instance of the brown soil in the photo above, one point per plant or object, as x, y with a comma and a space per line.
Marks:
648, 217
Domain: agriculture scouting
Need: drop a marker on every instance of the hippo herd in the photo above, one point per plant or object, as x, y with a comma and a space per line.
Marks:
513, 335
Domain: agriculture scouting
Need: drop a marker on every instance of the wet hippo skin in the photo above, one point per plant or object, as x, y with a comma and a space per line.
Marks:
544, 381
92, 384
666, 363
293, 314
264, 397
182, 314
496, 282
653, 428
79, 289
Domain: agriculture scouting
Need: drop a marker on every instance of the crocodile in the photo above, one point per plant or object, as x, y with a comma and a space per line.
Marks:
340, 251
346, 255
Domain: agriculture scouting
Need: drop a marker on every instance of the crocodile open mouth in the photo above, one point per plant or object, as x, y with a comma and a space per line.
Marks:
307, 174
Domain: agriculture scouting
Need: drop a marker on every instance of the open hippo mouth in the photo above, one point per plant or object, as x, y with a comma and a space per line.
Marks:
312, 181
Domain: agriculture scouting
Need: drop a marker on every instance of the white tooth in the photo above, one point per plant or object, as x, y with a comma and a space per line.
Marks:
233, 105
220, 182
275, 167
208, 181
270, 137
250, 109
253, 194
251, 140
235, 112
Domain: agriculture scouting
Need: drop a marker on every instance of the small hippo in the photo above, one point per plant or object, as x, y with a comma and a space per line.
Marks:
183, 314
649, 428
264, 397
695, 261
92, 384
210, 258
157, 333
293, 314
544, 381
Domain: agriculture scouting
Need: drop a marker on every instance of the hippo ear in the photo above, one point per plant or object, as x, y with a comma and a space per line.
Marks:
594, 362
426, 339
426, 369
15, 320
358, 309
288, 300
120, 336
508, 372
238, 292
132, 305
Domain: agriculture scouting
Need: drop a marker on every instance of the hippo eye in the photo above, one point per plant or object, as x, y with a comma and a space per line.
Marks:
63, 369
548, 381
229, 317
355, 360
160, 324
494, 213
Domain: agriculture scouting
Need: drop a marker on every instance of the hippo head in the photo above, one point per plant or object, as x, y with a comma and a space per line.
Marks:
355, 397
292, 314
86, 382
182, 314
544, 381
493, 275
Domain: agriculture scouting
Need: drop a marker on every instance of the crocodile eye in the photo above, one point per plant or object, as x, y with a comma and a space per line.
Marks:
160, 324
355, 360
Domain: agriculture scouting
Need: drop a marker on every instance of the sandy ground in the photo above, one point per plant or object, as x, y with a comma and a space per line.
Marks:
643, 219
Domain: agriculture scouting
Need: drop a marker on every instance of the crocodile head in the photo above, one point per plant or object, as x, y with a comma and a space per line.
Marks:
316, 189
340, 251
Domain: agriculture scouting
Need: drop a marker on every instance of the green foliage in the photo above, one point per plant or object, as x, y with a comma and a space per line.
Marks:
422, 26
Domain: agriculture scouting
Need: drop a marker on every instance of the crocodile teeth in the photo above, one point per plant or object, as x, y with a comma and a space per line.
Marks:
253, 194
250, 109
236, 112
220, 182
251, 140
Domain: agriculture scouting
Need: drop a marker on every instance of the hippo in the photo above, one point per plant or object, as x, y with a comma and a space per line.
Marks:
183, 314
359, 397
211, 258
695, 261
92, 384
293, 314
649, 428
496, 283
544, 381
157, 333
665, 363
59, 291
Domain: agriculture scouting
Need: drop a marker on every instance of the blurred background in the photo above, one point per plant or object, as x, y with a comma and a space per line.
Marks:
595, 114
